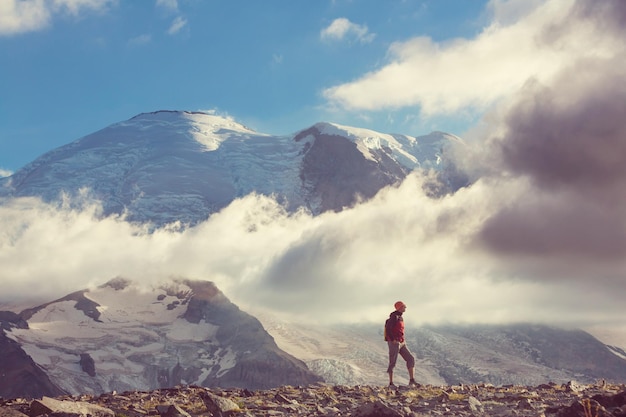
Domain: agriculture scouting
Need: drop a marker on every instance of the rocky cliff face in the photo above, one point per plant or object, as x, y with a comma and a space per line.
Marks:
335, 173
123, 336
21, 376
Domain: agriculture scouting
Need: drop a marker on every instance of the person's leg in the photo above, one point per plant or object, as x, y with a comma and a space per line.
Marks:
410, 361
394, 348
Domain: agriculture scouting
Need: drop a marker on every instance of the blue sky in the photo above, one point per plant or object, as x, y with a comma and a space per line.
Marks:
72, 67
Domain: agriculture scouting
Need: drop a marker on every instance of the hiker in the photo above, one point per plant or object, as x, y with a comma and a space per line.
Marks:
394, 335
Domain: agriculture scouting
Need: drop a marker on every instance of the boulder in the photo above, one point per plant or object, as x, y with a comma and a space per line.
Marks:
51, 406
376, 409
172, 411
9, 412
219, 406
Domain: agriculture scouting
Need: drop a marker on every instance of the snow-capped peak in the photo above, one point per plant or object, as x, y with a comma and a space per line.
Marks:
412, 152
180, 166
209, 130
125, 335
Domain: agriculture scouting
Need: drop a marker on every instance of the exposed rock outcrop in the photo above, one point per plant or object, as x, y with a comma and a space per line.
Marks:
50, 406
337, 174
87, 364
20, 375
260, 363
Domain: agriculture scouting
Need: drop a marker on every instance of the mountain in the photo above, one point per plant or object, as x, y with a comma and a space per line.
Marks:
171, 166
520, 354
165, 167
21, 376
122, 336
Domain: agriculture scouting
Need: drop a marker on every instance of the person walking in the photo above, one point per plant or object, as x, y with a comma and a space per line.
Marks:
394, 335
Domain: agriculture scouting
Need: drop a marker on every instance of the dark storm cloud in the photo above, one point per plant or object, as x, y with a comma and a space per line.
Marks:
607, 14
569, 139
572, 133
565, 226
605, 18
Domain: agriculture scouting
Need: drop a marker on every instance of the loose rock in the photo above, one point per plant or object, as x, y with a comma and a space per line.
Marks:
547, 400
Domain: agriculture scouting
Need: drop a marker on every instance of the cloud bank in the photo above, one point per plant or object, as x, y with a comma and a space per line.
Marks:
524, 40
338, 267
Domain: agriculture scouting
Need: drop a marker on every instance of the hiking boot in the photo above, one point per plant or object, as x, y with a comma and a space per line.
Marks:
392, 386
413, 384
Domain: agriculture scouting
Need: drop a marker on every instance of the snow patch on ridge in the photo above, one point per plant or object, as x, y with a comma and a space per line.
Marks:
210, 130
133, 305
367, 140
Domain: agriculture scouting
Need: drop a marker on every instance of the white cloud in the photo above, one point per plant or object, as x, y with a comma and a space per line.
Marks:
342, 28
462, 74
5, 173
20, 16
23, 16
178, 23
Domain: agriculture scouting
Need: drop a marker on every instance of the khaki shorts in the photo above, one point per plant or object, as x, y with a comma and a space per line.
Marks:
400, 348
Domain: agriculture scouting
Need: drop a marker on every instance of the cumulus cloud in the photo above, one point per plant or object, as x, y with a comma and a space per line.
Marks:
571, 133
567, 138
472, 74
569, 141
549, 152
5, 173
343, 28
21, 16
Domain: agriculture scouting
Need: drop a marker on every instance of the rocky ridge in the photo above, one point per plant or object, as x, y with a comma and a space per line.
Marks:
121, 336
559, 400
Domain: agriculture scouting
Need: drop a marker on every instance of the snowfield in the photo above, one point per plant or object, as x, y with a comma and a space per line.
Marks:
137, 329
